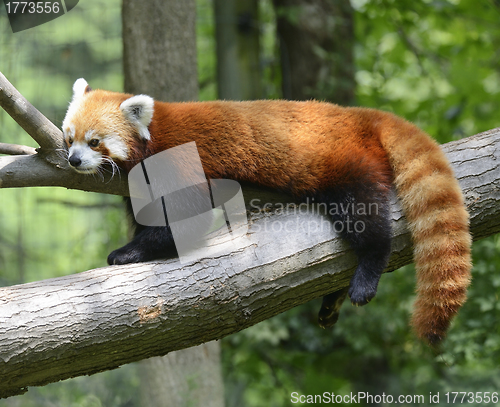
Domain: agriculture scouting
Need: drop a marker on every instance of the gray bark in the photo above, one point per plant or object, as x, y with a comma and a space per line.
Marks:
100, 319
15, 149
34, 171
159, 44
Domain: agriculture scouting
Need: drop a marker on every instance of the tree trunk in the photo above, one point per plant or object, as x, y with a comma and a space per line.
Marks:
238, 52
194, 365
316, 45
159, 55
100, 319
159, 49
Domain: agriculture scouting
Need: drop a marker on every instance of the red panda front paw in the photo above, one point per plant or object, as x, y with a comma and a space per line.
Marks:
126, 255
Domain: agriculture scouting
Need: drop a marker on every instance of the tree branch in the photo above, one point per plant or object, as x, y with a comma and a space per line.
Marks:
16, 149
41, 129
34, 171
100, 319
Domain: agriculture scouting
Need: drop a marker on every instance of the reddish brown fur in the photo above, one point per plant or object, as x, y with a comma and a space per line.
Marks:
438, 220
305, 146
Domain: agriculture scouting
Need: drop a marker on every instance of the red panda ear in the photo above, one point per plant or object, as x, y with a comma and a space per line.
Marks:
80, 88
139, 111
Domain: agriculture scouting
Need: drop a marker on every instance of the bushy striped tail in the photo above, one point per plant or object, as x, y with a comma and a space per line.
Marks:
439, 224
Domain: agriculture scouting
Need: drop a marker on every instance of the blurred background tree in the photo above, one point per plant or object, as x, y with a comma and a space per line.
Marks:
159, 59
435, 62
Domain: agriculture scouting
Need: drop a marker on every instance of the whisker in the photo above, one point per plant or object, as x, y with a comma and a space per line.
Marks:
114, 167
62, 152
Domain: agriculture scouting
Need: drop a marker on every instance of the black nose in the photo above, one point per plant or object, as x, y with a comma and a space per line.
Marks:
74, 161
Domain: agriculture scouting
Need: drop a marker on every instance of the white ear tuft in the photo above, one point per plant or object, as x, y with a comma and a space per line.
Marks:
139, 111
80, 88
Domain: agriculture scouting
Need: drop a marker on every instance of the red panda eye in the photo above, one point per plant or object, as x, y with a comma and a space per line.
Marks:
70, 140
94, 142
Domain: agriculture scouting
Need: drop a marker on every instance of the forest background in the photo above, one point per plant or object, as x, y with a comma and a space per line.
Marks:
433, 62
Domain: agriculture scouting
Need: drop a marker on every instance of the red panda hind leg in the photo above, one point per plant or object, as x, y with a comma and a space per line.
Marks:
330, 308
367, 229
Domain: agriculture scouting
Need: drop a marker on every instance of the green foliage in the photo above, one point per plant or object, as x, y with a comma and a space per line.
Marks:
205, 42
48, 232
434, 62
117, 388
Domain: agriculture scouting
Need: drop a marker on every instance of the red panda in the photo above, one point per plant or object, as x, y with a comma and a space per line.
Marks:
336, 155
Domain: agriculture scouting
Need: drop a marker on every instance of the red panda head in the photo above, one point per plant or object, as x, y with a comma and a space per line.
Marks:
102, 126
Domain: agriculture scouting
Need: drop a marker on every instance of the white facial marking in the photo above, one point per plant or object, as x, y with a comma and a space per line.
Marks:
73, 108
83, 159
116, 146
78, 91
91, 134
69, 131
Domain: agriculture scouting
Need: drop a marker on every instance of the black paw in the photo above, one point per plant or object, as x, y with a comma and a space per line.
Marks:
363, 286
330, 308
327, 317
361, 294
125, 255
